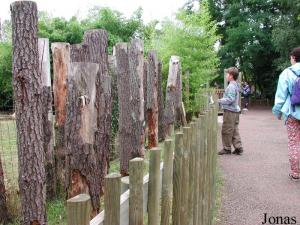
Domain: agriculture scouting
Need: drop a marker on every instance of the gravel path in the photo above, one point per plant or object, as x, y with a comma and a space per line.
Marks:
257, 182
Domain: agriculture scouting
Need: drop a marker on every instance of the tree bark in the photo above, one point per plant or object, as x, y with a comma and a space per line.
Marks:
83, 174
94, 50
160, 99
152, 103
136, 70
28, 94
61, 72
179, 107
145, 98
124, 106
44, 68
5, 217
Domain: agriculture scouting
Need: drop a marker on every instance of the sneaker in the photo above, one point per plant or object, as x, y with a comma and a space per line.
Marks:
238, 151
293, 178
224, 152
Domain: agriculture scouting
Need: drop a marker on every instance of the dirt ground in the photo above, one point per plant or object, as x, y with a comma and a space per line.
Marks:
257, 182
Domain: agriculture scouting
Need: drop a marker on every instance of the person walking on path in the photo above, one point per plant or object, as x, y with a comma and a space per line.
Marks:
230, 105
246, 94
284, 107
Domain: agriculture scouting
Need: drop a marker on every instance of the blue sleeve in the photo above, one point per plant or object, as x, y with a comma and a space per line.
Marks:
281, 95
229, 96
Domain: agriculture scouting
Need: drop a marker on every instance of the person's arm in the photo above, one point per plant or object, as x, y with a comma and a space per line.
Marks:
281, 95
229, 96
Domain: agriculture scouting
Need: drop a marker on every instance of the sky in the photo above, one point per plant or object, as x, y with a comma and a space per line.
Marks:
152, 9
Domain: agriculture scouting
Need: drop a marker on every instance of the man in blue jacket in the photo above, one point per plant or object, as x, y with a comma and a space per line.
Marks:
284, 109
230, 105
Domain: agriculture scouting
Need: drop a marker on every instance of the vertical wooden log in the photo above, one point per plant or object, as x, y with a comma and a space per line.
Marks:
136, 171
180, 119
177, 178
61, 72
4, 214
27, 91
145, 91
197, 174
205, 209
44, 68
201, 144
136, 75
112, 186
169, 116
185, 177
82, 166
152, 103
153, 186
160, 101
124, 106
79, 210
167, 182
192, 172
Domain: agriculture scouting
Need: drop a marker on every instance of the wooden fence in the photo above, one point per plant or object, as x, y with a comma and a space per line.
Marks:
179, 191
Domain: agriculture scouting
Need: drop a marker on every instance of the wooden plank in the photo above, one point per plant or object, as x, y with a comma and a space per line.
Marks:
192, 172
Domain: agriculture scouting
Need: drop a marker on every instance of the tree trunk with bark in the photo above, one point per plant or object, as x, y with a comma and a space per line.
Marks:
44, 68
152, 101
160, 99
28, 94
136, 73
61, 73
83, 174
179, 107
5, 217
145, 98
94, 50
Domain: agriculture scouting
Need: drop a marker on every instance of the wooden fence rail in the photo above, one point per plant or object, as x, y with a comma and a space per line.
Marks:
189, 166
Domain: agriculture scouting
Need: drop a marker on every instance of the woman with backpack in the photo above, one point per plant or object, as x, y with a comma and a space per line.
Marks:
287, 106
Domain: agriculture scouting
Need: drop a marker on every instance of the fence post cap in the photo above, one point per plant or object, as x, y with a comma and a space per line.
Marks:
79, 198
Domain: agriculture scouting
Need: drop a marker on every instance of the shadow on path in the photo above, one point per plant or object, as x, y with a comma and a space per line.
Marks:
257, 182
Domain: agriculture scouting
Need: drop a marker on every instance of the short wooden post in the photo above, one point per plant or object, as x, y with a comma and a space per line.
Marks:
196, 175
192, 172
136, 171
204, 168
112, 187
167, 182
201, 188
153, 187
177, 178
79, 210
185, 176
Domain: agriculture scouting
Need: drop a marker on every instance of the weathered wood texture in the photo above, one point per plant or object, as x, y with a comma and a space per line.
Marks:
192, 173
171, 89
61, 72
167, 182
112, 199
152, 101
130, 63
28, 103
161, 106
4, 214
44, 68
136, 70
154, 186
83, 171
177, 178
79, 210
136, 211
124, 106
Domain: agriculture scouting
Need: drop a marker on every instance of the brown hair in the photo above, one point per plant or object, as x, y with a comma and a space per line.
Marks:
234, 72
296, 53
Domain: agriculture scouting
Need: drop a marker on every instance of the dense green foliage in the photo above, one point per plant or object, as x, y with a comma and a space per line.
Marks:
257, 36
191, 37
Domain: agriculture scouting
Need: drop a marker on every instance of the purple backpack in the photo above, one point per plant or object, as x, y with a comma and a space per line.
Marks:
295, 96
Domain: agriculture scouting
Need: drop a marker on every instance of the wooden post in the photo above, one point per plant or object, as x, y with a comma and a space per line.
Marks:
153, 187
136, 73
79, 210
83, 171
27, 88
177, 178
136, 171
197, 175
160, 100
61, 72
185, 177
44, 68
206, 171
167, 182
192, 172
171, 95
112, 186
152, 103
201, 131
